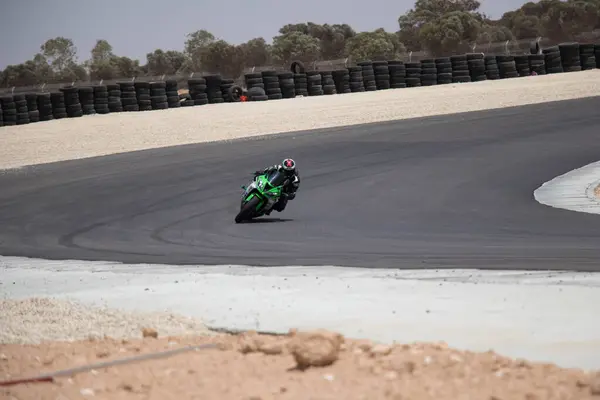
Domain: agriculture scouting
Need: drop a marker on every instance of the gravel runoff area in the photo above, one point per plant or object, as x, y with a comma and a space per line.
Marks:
114, 133
321, 365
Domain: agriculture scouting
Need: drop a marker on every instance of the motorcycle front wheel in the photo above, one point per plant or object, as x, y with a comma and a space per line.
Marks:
247, 210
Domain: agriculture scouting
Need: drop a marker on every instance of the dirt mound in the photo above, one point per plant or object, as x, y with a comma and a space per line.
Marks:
301, 365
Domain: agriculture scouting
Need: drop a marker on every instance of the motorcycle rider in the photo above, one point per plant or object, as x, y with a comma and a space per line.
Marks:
288, 168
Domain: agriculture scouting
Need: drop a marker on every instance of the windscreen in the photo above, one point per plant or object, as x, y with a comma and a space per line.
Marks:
276, 178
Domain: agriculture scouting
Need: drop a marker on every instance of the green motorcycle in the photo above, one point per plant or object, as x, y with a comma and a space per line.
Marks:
260, 195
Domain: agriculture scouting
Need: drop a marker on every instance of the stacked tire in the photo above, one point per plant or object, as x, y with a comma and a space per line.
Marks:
9, 110
86, 99
158, 96
368, 75
443, 66
553, 60
101, 99
226, 85
356, 79
341, 78
328, 83
522, 65
1, 115
315, 84
413, 74
537, 64
114, 98
22, 110
429, 73
271, 82
172, 93
397, 74
597, 54
588, 56
197, 90
507, 67
254, 80
142, 93
213, 89
460, 69
59, 105
32, 107
569, 55
301, 84
287, 84
476, 65
492, 72
382, 75
72, 102
129, 97
257, 93
44, 103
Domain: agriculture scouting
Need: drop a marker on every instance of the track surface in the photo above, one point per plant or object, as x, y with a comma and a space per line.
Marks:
450, 191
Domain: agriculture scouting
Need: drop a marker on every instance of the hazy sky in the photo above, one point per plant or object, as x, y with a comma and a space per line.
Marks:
137, 27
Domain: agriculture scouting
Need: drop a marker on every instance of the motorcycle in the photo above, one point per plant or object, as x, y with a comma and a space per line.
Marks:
261, 195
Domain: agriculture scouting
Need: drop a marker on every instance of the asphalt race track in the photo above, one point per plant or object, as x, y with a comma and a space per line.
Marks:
449, 192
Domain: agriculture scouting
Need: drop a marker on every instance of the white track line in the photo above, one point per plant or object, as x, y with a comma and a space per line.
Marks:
572, 191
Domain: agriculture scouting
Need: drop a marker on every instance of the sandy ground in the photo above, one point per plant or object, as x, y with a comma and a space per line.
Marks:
235, 370
301, 365
113, 133
33, 320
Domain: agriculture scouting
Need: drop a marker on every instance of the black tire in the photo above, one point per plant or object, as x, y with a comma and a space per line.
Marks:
247, 210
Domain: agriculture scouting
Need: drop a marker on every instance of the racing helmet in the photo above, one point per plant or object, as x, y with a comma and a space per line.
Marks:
289, 166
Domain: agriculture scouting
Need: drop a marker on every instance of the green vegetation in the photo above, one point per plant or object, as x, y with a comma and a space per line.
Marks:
438, 27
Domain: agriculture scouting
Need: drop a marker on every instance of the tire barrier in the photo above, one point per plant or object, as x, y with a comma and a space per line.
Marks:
86, 99
356, 79
341, 79
553, 60
172, 93
365, 76
368, 74
142, 94
114, 98
271, 85
429, 72
21, 105
287, 85
301, 84
476, 65
492, 71
522, 65
328, 83
44, 102
537, 64
72, 102
128, 97
315, 83
397, 74
32, 107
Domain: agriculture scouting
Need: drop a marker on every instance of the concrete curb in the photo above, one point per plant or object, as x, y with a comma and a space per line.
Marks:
572, 191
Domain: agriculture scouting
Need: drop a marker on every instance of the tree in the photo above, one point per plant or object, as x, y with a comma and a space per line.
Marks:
295, 45
223, 58
332, 38
378, 45
254, 53
61, 53
195, 46
102, 62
